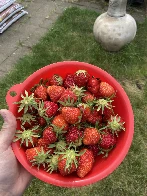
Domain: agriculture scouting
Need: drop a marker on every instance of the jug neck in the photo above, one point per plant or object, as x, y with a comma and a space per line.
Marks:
117, 8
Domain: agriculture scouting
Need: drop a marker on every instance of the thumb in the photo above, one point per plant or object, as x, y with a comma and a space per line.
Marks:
8, 129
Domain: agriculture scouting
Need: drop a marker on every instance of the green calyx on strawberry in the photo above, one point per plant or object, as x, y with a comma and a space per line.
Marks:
105, 152
68, 101
79, 92
59, 146
68, 161
27, 120
26, 136
40, 159
115, 124
52, 163
58, 130
27, 102
84, 106
101, 104
41, 109
70, 156
42, 112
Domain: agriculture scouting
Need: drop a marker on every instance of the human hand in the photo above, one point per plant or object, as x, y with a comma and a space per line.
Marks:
14, 179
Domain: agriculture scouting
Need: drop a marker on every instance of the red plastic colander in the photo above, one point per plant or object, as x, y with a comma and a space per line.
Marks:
102, 167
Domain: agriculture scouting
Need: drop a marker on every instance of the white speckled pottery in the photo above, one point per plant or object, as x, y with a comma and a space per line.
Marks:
114, 29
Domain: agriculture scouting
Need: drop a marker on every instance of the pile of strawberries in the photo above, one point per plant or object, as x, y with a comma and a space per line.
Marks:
65, 123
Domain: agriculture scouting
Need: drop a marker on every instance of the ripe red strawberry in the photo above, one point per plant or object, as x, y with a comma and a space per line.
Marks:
49, 134
87, 97
115, 124
55, 92
60, 123
68, 98
55, 79
32, 153
85, 110
91, 136
85, 163
74, 135
107, 114
81, 78
37, 156
42, 142
106, 90
41, 121
69, 81
72, 115
67, 162
50, 108
94, 117
40, 90
93, 85
28, 138
108, 140
94, 148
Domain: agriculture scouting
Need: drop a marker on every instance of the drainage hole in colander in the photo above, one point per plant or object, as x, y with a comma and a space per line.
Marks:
13, 93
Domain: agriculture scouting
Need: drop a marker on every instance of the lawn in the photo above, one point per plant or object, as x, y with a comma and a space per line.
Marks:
71, 38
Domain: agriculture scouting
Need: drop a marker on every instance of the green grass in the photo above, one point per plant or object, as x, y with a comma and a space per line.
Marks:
71, 38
